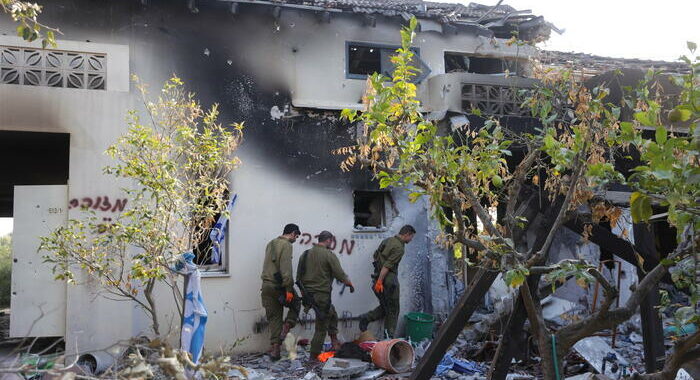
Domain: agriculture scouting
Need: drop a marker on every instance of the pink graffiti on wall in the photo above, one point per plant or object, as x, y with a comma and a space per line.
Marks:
99, 203
346, 246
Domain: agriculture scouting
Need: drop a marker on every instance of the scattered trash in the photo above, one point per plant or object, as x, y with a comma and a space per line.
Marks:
683, 375
598, 353
367, 346
351, 350
684, 330
324, 356
635, 338
290, 346
449, 363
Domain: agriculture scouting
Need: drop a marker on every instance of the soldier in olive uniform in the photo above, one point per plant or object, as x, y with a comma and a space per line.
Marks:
386, 283
317, 268
278, 287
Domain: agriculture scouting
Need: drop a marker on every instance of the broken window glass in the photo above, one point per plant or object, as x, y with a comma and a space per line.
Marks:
204, 247
366, 59
369, 209
460, 62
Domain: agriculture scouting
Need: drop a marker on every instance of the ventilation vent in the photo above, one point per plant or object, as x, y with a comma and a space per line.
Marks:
52, 68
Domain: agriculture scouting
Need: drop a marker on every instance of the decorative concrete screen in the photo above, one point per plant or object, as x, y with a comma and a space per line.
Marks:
494, 100
52, 68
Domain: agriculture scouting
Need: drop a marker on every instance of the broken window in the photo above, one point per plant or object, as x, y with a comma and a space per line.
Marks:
366, 59
204, 250
370, 209
460, 62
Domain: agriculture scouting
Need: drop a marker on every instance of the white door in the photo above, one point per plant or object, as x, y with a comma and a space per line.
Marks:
38, 303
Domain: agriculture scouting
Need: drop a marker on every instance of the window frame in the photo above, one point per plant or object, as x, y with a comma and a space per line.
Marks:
416, 50
221, 269
386, 208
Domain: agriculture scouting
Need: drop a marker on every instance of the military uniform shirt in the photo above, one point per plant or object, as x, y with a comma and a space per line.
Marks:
322, 266
389, 253
278, 259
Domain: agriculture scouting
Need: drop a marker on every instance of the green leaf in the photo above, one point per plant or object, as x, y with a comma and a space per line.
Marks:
679, 115
640, 207
645, 118
661, 135
692, 46
497, 181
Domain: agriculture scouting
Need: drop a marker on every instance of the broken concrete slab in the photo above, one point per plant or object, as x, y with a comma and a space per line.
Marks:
597, 352
311, 376
336, 368
554, 307
370, 375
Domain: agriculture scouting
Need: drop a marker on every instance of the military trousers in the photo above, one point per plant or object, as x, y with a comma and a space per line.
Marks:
389, 304
327, 325
274, 310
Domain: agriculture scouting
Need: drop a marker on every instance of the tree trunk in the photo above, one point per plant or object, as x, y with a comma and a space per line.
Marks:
148, 293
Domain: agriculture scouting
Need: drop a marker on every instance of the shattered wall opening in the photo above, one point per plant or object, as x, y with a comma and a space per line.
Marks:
369, 209
31, 158
460, 62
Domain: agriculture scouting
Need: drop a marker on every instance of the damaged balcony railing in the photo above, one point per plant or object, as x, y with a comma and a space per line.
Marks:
492, 95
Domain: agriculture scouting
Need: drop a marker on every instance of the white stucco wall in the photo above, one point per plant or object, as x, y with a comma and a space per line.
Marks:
300, 52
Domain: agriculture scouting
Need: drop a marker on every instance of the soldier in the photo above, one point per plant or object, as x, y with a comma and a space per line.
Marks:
386, 283
278, 287
317, 268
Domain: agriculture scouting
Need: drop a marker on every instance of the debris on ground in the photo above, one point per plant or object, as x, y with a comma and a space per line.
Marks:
598, 353
336, 368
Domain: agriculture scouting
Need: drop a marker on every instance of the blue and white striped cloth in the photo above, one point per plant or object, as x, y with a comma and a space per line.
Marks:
218, 232
195, 316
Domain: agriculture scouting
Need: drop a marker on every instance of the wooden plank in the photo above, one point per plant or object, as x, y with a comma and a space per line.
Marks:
511, 340
652, 329
453, 326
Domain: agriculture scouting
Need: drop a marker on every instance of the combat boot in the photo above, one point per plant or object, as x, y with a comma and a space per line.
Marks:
335, 342
275, 352
364, 323
285, 330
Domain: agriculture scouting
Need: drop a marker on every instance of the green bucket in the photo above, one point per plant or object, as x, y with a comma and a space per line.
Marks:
419, 326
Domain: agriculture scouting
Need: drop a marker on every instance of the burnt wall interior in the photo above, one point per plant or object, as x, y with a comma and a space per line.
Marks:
201, 49
31, 158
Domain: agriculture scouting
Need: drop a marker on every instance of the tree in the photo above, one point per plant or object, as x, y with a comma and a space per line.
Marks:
176, 163
5, 269
26, 15
465, 173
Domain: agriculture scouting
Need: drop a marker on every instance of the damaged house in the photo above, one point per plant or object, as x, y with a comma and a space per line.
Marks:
286, 69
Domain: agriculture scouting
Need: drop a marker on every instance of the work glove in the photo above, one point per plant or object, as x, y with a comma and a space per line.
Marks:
289, 297
379, 286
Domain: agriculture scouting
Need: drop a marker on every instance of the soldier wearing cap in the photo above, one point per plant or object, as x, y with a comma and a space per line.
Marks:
317, 269
386, 283
278, 287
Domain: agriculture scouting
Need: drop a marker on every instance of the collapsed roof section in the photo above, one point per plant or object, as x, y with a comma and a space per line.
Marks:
501, 21
592, 65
